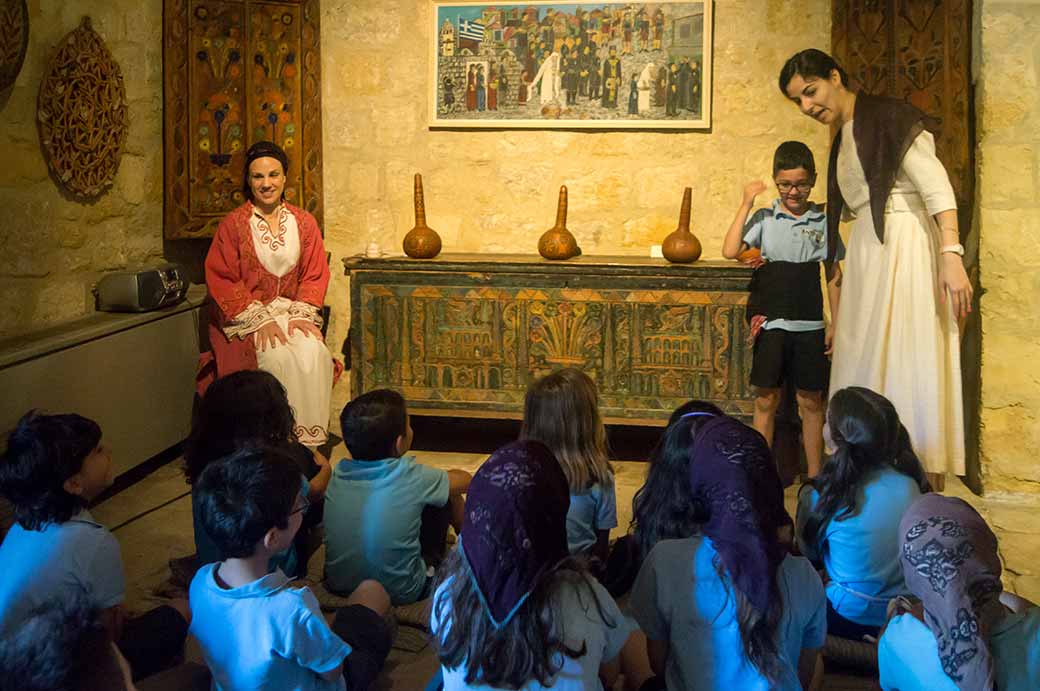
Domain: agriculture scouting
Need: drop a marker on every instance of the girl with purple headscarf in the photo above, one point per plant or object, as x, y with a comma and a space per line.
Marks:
512, 609
731, 608
961, 637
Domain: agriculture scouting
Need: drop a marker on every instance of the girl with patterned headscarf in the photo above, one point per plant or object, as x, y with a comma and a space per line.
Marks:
961, 637
512, 609
731, 608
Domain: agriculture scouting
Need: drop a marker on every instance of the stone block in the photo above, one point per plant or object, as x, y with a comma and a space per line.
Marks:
1006, 175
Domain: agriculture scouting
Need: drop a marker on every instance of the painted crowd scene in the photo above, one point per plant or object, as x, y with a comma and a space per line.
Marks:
635, 62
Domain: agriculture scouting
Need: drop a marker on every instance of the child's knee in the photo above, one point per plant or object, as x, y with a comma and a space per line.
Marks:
371, 594
767, 400
809, 401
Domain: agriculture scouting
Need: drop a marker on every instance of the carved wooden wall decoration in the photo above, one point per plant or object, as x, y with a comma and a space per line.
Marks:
237, 72
14, 39
82, 114
919, 51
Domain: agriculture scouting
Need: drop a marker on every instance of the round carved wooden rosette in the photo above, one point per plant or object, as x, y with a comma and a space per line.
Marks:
14, 39
82, 113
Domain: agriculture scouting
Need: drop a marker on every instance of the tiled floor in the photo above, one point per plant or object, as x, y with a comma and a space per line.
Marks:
152, 521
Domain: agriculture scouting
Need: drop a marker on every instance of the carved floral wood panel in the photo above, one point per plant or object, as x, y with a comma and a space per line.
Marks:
919, 51
14, 39
237, 72
475, 336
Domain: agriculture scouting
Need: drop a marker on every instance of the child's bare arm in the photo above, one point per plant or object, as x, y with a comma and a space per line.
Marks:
333, 674
658, 654
320, 482
834, 279
458, 481
733, 242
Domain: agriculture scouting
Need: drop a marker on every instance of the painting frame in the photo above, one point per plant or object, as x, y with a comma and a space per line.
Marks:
663, 53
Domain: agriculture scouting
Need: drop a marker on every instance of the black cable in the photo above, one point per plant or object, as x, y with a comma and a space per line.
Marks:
151, 510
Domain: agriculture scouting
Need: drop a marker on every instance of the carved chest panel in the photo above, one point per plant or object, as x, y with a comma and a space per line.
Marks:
466, 334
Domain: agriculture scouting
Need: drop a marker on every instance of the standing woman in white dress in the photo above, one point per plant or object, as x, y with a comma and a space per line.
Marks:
905, 284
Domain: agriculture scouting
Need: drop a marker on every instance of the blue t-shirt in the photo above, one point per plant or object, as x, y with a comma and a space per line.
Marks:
861, 552
908, 654
679, 597
593, 510
784, 237
263, 635
36, 566
581, 623
373, 513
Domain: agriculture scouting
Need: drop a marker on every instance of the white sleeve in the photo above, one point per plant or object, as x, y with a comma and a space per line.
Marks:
928, 175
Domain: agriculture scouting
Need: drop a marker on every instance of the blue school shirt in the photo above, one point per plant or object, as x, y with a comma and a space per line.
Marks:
263, 635
861, 552
784, 237
679, 597
63, 559
581, 623
590, 511
908, 654
373, 513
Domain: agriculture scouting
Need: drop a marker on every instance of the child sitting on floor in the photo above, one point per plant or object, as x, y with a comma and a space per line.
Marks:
54, 465
386, 516
730, 608
254, 630
561, 411
965, 633
250, 408
848, 516
511, 610
63, 645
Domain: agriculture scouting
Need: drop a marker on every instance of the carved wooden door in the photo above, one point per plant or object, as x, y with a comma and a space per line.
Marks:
920, 51
237, 72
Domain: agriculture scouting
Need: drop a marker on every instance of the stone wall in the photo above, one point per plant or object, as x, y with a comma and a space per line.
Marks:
496, 191
54, 247
1008, 214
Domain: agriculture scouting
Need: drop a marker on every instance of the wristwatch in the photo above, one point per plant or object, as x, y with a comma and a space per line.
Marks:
955, 249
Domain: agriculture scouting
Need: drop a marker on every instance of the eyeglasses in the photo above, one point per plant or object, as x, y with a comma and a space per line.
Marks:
786, 187
302, 508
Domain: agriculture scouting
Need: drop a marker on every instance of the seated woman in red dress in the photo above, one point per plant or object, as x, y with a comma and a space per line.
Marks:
267, 274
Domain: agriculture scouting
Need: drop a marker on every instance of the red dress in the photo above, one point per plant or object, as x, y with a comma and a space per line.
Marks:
235, 278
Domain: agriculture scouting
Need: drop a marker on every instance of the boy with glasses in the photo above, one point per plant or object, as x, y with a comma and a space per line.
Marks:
785, 308
254, 630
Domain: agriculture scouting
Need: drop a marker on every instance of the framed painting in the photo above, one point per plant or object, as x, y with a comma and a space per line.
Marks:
588, 65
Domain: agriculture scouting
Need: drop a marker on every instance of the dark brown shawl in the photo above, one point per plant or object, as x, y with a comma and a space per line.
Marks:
883, 129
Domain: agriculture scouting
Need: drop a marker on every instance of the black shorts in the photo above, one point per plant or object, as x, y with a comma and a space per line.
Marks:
368, 636
790, 355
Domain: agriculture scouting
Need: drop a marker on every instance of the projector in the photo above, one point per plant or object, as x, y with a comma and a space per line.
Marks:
142, 290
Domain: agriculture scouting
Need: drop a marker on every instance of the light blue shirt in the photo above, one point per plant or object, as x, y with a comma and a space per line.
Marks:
784, 237
59, 561
908, 655
679, 597
263, 635
581, 623
590, 512
861, 552
373, 513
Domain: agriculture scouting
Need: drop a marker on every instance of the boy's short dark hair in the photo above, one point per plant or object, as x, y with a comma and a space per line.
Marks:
791, 155
43, 451
61, 645
371, 424
243, 496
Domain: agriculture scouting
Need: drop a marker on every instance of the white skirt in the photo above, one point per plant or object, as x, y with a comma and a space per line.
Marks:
304, 368
893, 334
